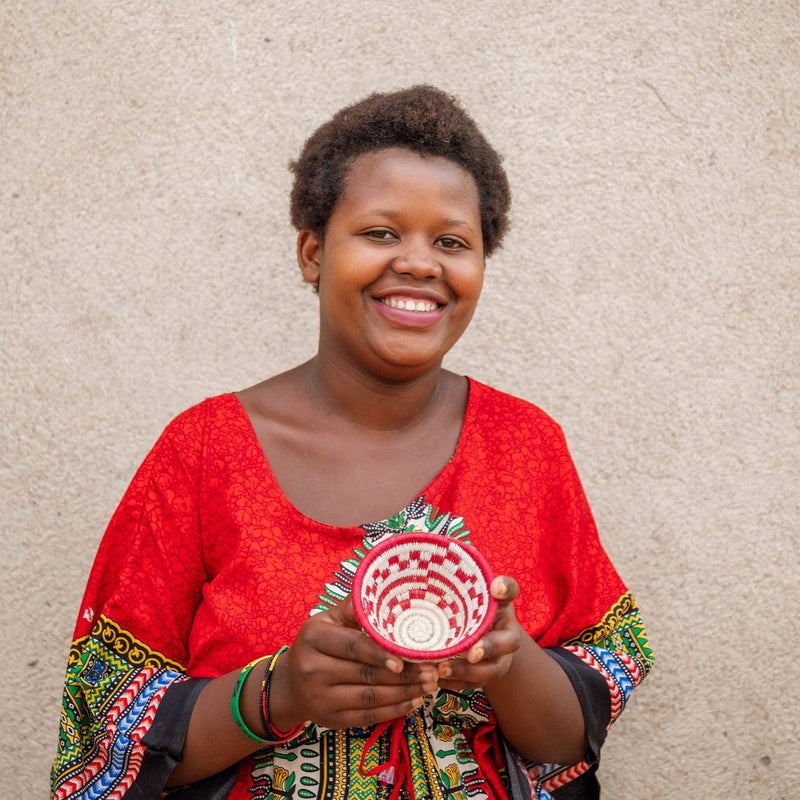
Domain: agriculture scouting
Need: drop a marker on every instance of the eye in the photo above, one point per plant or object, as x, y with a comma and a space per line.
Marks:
380, 234
451, 243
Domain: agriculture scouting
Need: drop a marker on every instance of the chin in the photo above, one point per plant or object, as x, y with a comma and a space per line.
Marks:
408, 369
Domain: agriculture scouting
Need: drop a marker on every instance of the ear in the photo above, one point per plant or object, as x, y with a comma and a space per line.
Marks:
309, 254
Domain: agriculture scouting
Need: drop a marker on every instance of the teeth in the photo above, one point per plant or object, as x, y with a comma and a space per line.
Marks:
409, 305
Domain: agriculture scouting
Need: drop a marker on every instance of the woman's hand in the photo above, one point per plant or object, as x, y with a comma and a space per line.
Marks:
532, 698
491, 656
337, 677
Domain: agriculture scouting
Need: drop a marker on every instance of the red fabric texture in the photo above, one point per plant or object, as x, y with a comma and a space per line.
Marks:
208, 563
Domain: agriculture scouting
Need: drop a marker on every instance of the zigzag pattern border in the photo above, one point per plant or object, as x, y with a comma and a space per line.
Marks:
620, 631
111, 762
617, 648
112, 771
590, 656
612, 620
564, 776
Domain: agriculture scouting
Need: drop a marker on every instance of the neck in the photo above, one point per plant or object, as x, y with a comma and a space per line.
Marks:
371, 403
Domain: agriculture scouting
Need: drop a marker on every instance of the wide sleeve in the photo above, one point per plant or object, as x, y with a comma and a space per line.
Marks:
527, 512
604, 663
130, 644
596, 632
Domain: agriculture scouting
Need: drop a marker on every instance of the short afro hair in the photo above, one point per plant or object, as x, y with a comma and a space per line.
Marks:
423, 119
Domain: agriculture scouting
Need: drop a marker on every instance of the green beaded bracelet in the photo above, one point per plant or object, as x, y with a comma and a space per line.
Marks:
236, 712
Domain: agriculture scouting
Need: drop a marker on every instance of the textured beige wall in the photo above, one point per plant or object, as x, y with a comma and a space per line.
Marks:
648, 298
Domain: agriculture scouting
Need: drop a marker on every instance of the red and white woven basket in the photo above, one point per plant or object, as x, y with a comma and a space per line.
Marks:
423, 596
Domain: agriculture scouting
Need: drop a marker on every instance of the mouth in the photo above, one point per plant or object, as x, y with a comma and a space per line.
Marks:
409, 312
409, 304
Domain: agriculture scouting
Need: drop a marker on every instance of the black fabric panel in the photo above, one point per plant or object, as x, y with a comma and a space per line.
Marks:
518, 781
217, 787
593, 695
164, 739
584, 788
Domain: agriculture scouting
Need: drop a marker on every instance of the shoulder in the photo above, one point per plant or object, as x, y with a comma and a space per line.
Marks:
191, 429
204, 433
512, 435
218, 410
499, 411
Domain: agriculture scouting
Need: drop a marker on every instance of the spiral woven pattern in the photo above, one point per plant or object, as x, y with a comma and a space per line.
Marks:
424, 597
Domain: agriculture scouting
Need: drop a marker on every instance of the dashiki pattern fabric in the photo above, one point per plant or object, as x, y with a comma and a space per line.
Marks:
206, 565
113, 688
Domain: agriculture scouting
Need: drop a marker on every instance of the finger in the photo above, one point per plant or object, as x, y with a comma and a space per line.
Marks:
345, 615
459, 670
331, 638
488, 650
352, 658
469, 676
361, 697
494, 645
416, 678
504, 589
367, 717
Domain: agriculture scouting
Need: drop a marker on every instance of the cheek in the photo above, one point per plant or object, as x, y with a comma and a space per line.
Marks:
471, 287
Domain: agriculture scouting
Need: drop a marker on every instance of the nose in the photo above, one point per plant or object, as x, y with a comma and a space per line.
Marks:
419, 260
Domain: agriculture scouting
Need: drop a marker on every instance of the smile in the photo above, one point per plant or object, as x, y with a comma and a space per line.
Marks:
408, 304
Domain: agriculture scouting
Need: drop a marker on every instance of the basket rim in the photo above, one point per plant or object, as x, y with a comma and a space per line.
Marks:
411, 537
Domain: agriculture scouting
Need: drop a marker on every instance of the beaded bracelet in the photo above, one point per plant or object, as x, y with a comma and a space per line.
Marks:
236, 712
275, 736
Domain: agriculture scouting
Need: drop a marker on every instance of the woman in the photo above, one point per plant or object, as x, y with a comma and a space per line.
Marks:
239, 534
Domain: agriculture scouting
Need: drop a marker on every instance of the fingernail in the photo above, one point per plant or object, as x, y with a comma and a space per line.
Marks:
416, 702
394, 665
476, 655
445, 670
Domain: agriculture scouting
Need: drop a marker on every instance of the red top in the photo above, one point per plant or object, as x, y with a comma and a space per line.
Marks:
206, 534
206, 564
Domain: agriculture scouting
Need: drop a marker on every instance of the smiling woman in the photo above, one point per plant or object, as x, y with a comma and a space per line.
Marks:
400, 268
229, 564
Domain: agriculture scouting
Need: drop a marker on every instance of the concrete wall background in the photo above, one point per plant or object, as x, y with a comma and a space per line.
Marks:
647, 297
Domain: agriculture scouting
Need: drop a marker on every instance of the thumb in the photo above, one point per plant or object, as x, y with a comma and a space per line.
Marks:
504, 589
345, 614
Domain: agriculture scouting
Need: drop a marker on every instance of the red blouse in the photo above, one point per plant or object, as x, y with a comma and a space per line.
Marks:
206, 565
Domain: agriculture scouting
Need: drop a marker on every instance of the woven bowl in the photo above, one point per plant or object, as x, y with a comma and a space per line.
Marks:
423, 596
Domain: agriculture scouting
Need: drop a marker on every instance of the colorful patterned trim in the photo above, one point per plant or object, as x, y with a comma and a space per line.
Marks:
326, 764
124, 645
620, 630
113, 688
618, 648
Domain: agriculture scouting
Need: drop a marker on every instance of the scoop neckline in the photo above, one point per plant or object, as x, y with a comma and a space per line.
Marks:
432, 486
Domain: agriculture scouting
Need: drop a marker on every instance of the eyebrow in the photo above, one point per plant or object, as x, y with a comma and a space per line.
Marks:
386, 212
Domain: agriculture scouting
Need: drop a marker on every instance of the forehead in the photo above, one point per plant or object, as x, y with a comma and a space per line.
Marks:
401, 174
